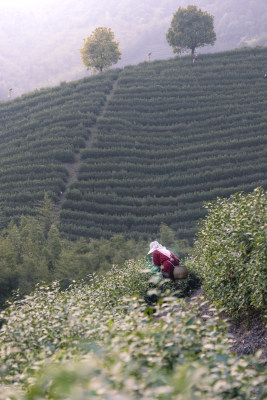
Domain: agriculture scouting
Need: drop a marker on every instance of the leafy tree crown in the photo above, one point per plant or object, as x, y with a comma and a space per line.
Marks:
100, 50
190, 28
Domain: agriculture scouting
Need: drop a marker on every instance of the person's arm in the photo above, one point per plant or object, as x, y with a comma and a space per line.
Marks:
156, 258
176, 259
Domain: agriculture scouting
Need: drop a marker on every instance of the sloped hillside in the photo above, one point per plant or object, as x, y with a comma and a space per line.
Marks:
40, 134
172, 135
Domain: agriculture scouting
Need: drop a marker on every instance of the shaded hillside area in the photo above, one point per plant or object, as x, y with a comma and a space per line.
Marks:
173, 135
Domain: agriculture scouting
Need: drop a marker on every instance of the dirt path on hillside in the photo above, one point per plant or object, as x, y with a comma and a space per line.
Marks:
248, 336
73, 168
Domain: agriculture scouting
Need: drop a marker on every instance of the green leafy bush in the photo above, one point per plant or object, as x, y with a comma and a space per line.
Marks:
49, 320
230, 252
97, 341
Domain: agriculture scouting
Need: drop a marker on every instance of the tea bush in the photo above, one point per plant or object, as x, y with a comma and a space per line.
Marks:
230, 252
49, 320
175, 357
75, 345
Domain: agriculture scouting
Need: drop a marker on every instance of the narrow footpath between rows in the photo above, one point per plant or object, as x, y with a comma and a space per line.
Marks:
73, 168
249, 336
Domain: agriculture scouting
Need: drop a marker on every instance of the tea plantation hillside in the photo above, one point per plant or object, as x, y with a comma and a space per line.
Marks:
172, 135
40, 134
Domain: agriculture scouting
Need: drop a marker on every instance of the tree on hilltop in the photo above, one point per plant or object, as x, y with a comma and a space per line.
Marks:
100, 50
190, 28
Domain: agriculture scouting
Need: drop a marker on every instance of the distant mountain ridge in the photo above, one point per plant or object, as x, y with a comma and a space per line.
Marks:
40, 45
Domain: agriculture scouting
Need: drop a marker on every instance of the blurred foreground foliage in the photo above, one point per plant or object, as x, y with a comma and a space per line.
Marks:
97, 340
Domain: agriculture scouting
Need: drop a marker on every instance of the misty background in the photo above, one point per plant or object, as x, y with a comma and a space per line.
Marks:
40, 43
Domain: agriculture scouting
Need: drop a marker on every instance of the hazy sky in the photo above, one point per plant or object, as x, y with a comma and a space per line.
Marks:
25, 3
40, 39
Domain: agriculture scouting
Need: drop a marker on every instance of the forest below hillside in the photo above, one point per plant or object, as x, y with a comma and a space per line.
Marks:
40, 43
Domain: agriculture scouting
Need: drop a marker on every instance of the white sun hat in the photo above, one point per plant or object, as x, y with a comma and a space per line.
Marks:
153, 247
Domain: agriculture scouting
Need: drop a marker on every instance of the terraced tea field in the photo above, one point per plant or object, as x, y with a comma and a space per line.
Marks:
174, 135
148, 144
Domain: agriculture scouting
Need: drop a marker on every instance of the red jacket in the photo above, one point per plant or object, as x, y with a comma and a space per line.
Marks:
167, 263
